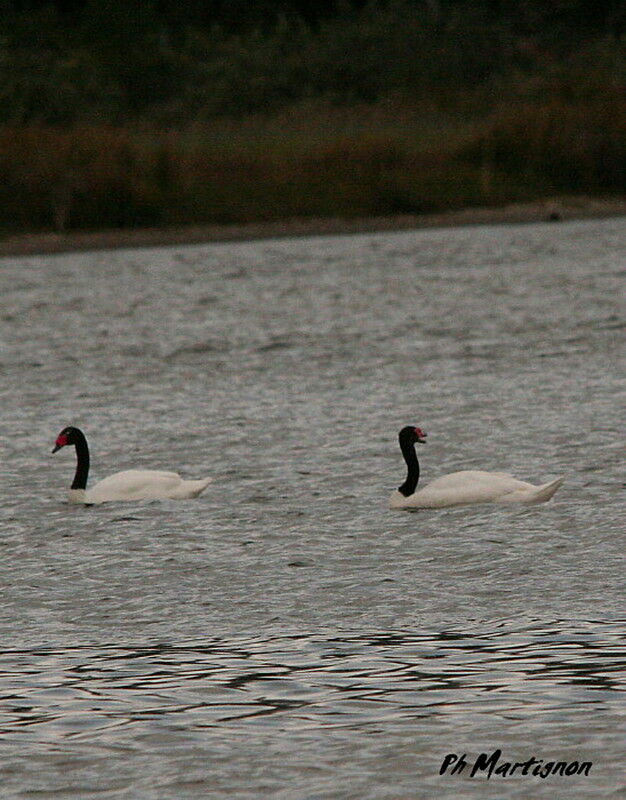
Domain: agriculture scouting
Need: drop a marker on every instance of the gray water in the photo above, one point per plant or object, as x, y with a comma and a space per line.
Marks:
286, 635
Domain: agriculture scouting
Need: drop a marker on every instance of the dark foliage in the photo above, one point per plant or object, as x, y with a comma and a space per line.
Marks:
122, 114
63, 61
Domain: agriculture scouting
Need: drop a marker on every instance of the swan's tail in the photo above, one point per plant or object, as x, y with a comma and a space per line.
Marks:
545, 492
202, 484
194, 488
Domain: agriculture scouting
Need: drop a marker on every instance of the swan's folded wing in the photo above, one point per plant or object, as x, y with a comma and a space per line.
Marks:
473, 479
469, 486
134, 484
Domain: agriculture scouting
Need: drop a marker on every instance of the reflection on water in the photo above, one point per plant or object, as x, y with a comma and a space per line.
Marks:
226, 709
310, 681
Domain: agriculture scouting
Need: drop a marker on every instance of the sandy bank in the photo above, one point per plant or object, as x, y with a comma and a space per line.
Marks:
554, 210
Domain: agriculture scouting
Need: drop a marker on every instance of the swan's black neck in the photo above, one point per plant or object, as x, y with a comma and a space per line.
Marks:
413, 468
82, 461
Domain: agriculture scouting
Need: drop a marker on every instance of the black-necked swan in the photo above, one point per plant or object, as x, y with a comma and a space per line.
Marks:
132, 484
460, 488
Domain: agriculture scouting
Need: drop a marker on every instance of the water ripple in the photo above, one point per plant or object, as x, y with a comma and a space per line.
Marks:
285, 635
349, 680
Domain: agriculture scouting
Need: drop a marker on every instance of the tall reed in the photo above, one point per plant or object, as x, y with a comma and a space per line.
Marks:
313, 161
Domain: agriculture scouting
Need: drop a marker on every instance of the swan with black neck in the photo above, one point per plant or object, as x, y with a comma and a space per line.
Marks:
132, 484
460, 488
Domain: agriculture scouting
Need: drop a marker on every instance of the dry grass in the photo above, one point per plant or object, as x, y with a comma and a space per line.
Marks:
312, 161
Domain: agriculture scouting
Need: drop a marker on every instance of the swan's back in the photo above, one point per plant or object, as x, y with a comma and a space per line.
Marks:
475, 486
475, 480
140, 484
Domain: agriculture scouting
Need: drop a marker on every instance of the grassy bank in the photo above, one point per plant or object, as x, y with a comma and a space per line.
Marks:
311, 161
554, 209
119, 116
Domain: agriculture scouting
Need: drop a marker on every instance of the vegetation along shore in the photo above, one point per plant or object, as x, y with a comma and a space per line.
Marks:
213, 117
551, 210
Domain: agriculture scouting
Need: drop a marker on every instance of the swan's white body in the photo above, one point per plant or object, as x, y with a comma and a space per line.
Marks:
132, 484
474, 486
139, 484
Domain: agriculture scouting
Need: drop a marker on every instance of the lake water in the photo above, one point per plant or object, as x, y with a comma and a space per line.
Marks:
286, 635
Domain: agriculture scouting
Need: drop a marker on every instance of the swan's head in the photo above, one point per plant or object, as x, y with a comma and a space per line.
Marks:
411, 435
67, 436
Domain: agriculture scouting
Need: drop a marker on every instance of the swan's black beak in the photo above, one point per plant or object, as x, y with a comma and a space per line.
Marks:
56, 447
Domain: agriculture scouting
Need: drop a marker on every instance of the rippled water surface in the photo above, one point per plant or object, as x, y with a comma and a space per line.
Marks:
286, 635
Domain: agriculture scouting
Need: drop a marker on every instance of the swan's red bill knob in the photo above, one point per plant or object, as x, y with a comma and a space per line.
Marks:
60, 442
421, 435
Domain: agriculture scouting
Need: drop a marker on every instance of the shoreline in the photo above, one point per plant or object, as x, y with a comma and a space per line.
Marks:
553, 210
